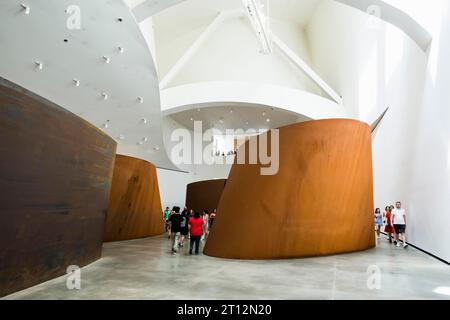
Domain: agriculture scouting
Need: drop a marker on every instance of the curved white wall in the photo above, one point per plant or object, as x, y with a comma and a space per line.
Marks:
376, 66
430, 182
189, 96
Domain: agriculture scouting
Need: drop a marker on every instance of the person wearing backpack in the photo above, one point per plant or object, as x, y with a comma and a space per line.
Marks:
175, 228
184, 227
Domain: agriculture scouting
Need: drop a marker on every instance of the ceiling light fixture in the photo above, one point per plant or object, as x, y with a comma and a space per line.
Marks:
141, 100
121, 49
263, 114
143, 140
144, 120
192, 119
268, 120
39, 65
106, 124
105, 96
26, 8
260, 22
77, 82
106, 58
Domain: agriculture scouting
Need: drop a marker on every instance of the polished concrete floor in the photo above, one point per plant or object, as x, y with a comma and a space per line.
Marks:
144, 269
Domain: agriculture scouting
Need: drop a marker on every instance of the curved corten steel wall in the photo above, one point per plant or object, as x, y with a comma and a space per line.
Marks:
135, 204
55, 176
204, 194
319, 203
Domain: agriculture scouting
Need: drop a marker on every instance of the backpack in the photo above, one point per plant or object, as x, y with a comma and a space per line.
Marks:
183, 222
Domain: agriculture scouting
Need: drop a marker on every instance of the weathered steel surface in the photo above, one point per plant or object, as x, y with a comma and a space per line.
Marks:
204, 194
55, 176
319, 203
135, 204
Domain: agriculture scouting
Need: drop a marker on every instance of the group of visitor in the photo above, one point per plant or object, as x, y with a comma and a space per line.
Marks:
223, 154
394, 221
187, 224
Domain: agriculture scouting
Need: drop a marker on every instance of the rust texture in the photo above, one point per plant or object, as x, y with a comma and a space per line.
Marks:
55, 177
135, 204
319, 203
204, 194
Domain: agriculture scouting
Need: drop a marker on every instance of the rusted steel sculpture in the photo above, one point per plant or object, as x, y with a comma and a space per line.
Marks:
319, 203
135, 204
203, 195
55, 177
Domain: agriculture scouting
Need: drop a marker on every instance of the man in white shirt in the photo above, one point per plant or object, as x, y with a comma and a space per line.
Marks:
399, 222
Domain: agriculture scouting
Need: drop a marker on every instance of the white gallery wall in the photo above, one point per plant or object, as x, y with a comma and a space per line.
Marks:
172, 184
375, 65
430, 181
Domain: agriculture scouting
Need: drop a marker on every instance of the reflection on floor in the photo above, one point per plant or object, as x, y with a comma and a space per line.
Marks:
144, 269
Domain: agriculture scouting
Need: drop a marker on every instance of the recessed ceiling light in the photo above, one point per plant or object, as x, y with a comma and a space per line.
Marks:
39, 65
198, 109
106, 58
191, 118
141, 100
106, 124
231, 111
77, 82
143, 140
105, 96
246, 122
144, 120
25, 8
267, 120
263, 114
121, 49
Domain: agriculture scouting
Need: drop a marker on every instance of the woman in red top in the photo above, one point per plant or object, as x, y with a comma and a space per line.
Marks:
196, 231
389, 229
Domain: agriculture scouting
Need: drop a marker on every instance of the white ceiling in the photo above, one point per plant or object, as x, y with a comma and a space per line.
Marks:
192, 14
39, 36
237, 116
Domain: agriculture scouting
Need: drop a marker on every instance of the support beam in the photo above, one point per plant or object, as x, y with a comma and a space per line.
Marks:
306, 69
215, 24
192, 50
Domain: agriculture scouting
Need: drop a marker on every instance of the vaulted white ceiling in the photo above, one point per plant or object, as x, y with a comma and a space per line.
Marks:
132, 110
